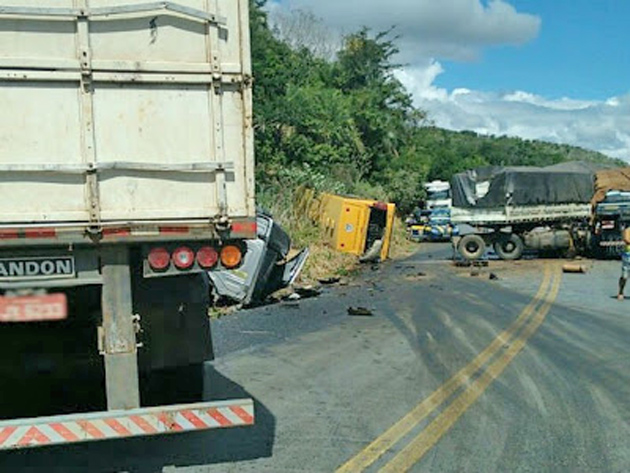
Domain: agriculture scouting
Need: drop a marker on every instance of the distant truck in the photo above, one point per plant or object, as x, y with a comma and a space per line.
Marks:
438, 195
126, 174
519, 208
611, 211
610, 217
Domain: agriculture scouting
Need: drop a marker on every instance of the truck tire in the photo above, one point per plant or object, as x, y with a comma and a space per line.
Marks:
509, 247
471, 247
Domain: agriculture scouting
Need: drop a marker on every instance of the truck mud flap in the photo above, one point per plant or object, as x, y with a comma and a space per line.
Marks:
77, 428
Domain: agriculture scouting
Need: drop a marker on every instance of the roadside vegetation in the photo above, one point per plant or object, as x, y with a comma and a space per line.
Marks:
338, 120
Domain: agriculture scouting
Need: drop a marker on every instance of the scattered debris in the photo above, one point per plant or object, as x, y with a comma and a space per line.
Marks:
361, 311
329, 281
474, 272
416, 276
307, 292
574, 268
216, 312
290, 305
467, 264
493, 277
405, 266
294, 297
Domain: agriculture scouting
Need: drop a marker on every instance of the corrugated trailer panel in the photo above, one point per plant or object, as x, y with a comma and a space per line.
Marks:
125, 111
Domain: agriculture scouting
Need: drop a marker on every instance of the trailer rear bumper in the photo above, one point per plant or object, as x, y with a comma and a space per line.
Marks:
110, 425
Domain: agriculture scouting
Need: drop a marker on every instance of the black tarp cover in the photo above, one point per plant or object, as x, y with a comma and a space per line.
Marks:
564, 183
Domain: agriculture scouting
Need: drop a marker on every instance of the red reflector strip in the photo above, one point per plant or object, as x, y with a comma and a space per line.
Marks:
116, 232
9, 235
91, 430
220, 418
174, 230
244, 227
243, 414
14, 234
193, 419
6, 433
169, 422
117, 427
33, 437
64, 432
143, 424
75, 428
40, 233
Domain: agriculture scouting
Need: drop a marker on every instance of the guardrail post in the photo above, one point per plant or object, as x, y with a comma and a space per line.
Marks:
119, 338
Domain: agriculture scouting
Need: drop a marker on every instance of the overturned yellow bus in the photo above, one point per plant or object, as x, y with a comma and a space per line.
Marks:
358, 226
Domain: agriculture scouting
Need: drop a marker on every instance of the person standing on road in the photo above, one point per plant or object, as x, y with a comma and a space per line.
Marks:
625, 263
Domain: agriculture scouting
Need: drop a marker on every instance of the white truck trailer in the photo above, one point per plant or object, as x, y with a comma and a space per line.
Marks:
126, 173
509, 230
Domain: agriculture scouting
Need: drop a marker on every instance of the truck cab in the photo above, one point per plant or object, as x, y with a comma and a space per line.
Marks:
438, 195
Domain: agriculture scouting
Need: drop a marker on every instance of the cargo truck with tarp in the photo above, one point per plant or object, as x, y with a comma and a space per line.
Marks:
516, 208
126, 174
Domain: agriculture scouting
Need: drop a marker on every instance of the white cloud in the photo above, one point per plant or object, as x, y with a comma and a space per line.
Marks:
599, 125
419, 81
454, 29
459, 30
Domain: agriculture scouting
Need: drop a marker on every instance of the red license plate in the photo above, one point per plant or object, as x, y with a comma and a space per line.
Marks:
33, 308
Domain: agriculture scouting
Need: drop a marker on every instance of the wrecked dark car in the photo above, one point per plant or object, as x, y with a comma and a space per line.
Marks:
265, 267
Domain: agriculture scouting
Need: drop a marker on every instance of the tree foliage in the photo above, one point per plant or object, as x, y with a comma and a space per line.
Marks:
348, 123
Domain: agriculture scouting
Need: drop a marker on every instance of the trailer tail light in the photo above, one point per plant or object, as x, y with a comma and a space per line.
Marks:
207, 257
159, 259
183, 257
231, 256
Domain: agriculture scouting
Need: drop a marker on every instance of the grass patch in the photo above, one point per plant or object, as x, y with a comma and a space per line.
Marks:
323, 262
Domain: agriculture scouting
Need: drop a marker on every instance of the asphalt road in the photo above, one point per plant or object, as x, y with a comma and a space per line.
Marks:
528, 371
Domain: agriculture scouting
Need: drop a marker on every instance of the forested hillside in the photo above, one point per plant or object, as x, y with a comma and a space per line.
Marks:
346, 124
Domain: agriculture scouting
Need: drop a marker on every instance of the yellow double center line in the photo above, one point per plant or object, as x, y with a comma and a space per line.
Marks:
416, 449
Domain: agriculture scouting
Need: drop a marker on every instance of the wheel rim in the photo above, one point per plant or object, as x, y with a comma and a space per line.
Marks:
509, 247
472, 246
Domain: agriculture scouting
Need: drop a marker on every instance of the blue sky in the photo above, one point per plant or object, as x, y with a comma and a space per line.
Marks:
582, 50
552, 70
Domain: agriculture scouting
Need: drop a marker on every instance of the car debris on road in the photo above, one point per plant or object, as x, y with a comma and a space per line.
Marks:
574, 268
265, 267
360, 311
329, 281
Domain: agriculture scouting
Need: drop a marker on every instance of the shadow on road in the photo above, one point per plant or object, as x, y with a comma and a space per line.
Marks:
152, 454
